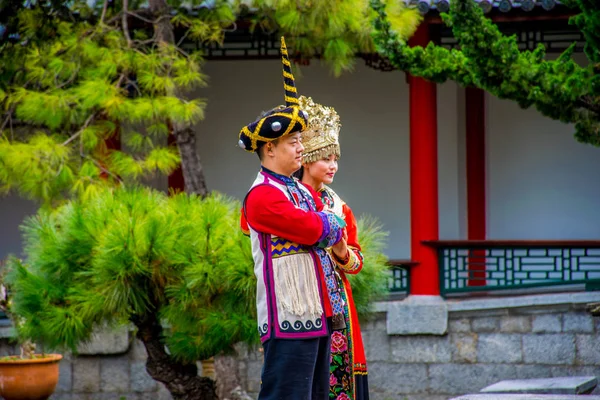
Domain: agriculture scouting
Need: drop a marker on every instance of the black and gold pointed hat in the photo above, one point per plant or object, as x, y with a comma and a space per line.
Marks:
279, 121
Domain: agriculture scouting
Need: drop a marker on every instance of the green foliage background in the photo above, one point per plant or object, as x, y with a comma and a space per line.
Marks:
559, 89
124, 253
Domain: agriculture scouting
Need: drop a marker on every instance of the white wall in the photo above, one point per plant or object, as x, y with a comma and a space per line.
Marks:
13, 210
542, 184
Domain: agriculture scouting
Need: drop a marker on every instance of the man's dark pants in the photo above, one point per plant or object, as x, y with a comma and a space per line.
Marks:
296, 369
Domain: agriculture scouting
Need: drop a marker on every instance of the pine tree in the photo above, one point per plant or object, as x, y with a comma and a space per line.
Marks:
334, 30
177, 267
559, 89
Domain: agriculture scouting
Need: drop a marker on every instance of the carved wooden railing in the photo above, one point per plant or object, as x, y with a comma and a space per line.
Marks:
492, 265
399, 281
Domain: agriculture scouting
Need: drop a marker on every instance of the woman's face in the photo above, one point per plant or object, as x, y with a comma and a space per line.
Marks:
324, 170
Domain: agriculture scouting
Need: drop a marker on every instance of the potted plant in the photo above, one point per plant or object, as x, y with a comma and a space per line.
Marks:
28, 375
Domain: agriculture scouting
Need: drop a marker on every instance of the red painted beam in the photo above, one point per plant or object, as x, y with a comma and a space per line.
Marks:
175, 179
424, 223
476, 178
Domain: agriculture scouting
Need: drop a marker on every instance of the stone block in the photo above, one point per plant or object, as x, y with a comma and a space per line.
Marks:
424, 397
114, 374
575, 370
407, 378
256, 354
578, 323
139, 378
86, 375
107, 341
241, 351
254, 371
420, 349
163, 393
65, 376
137, 351
499, 348
557, 385
464, 347
384, 396
546, 323
61, 396
533, 371
515, 324
417, 315
588, 349
242, 369
485, 324
377, 345
461, 325
549, 349
455, 379
495, 396
379, 322
114, 396
476, 313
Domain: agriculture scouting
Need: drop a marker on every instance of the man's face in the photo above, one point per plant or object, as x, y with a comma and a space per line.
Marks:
286, 154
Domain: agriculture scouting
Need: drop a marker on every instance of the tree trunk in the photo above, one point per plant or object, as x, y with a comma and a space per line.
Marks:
181, 380
193, 173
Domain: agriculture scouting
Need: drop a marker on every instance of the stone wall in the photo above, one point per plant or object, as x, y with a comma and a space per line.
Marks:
484, 341
479, 350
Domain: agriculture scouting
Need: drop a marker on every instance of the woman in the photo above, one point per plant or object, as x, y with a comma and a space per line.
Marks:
348, 378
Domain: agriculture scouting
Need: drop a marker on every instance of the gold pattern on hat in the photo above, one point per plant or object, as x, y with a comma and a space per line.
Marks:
289, 85
321, 137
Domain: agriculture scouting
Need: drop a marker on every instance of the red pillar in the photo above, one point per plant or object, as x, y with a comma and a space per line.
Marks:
476, 196
424, 278
111, 144
175, 179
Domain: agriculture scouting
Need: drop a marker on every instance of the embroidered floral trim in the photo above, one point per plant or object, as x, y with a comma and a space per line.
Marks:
341, 379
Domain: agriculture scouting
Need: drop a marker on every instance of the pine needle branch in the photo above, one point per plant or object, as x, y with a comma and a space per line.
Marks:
183, 37
104, 8
135, 86
68, 81
85, 125
100, 166
8, 118
120, 80
143, 42
124, 22
138, 16
589, 103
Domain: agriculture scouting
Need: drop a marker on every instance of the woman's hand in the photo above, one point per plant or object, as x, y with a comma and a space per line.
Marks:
341, 248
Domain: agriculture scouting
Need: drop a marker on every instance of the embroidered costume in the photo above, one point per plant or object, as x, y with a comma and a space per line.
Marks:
298, 292
348, 369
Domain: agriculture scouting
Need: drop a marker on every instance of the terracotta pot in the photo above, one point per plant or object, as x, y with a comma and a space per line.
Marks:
31, 379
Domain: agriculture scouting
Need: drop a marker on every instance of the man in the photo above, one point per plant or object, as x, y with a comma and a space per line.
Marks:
298, 298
